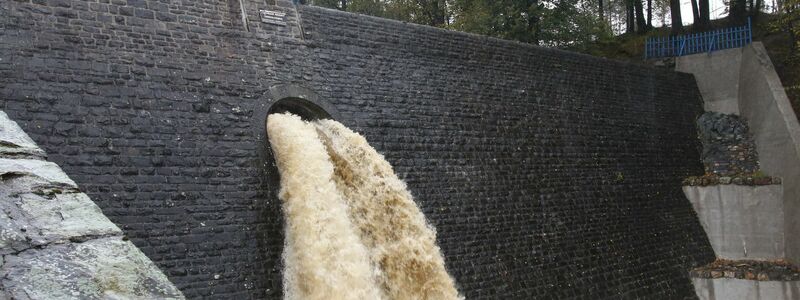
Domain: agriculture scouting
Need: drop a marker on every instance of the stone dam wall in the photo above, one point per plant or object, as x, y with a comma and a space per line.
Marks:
545, 173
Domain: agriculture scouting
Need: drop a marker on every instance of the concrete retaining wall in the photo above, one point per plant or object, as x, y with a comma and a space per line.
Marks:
742, 222
732, 289
717, 76
776, 131
748, 74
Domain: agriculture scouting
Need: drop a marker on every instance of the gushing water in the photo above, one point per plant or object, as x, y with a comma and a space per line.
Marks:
353, 230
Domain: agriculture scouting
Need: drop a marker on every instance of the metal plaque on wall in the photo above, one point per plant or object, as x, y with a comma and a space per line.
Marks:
272, 17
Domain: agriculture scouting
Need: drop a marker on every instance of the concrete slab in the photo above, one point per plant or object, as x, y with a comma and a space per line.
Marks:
735, 289
717, 76
742, 222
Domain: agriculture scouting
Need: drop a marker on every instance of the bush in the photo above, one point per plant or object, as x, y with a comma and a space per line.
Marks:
789, 21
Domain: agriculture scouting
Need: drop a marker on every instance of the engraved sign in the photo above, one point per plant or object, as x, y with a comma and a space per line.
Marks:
273, 17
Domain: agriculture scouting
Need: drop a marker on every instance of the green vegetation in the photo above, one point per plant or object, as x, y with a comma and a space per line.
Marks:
571, 24
785, 51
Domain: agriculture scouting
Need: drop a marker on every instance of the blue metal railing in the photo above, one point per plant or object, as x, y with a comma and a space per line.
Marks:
679, 45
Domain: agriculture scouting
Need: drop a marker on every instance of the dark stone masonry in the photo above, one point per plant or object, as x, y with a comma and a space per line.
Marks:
728, 147
546, 173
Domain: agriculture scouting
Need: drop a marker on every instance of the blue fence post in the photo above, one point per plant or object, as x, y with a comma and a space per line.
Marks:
709, 41
729, 38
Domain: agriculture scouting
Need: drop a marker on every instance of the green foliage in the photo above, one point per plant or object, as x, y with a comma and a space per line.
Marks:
572, 24
760, 174
326, 3
428, 12
789, 21
367, 7
508, 19
557, 23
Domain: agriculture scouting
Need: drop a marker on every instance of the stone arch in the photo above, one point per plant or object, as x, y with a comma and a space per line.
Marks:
293, 98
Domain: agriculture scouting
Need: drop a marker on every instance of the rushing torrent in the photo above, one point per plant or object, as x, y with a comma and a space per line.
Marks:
353, 230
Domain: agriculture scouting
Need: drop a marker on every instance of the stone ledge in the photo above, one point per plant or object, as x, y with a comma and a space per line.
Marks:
741, 289
746, 179
43, 169
14, 142
777, 270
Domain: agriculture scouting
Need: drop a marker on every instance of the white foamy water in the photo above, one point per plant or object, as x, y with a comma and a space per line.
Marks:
353, 230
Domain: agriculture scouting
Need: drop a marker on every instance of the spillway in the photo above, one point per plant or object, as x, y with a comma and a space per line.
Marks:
353, 231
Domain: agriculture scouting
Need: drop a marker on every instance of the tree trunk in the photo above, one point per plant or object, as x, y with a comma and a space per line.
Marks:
759, 5
705, 14
441, 8
533, 20
630, 17
435, 11
695, 12
675, 12
738, 11
600, 10
344, 5
641, 24
649, 13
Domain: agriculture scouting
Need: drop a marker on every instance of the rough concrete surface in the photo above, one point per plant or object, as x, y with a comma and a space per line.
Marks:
55, 242
742, 222
735, 289
747, 74
717, 76
774, 126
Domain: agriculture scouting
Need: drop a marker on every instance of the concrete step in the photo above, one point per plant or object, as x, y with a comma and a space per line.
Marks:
742, 221
747, 279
